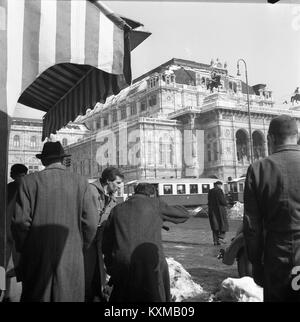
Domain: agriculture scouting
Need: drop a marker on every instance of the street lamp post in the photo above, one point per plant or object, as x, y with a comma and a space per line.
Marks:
248, 104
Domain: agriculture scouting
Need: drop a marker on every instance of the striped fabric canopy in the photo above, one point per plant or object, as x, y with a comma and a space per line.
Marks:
61, 56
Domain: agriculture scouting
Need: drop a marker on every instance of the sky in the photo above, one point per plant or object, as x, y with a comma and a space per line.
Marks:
266, 36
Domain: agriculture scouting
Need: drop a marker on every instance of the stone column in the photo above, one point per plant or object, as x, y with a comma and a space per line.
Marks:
193, 148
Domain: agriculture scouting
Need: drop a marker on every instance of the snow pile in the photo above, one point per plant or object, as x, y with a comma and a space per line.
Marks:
240, 290
237, 211
182, 285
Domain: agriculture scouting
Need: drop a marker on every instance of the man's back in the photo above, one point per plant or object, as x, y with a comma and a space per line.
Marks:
136, 221
133, 249
272, 221
276, 180
55, 216
272, 212
54, 196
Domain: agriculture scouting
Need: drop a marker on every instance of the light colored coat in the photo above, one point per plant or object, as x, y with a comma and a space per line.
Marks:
55, 218
95, 274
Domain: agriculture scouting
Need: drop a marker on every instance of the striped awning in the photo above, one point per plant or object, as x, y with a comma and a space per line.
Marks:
63, 56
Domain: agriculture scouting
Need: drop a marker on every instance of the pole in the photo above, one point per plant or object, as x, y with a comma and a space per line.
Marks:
248, 105
4, 132
4, 135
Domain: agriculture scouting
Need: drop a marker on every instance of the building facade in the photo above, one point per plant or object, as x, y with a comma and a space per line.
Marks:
26, 141
182, 119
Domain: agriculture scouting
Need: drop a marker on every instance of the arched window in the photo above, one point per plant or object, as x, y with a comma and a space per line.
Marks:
242, 146
33, 141
64, 141
16, 141
258, 145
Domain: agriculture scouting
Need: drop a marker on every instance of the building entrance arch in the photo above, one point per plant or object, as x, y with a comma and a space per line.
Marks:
258, 140
242, 146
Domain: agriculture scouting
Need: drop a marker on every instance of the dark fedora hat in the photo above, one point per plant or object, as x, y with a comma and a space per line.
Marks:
52, 150
218, 182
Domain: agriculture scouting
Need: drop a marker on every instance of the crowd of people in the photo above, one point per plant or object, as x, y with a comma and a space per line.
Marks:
70, 234
70, 241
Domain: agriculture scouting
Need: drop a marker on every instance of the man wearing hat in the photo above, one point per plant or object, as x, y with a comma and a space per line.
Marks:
272, 213
54, 219
217, 213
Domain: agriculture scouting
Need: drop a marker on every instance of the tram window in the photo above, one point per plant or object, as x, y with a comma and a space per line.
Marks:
225, 188
180, 189
241, 187
168, 189
205, 188
234, 187
193, 188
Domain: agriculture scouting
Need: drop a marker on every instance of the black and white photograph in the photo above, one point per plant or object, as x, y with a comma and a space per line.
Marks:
150, 153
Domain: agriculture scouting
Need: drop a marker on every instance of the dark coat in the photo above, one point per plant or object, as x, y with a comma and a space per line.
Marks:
217, 210
55, 217
12, 188
272, 221
133, 251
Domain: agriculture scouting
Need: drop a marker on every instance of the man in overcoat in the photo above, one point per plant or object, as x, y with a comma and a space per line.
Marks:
17, 171
272, 213
132, 247
55, 218
104, 195
217, 213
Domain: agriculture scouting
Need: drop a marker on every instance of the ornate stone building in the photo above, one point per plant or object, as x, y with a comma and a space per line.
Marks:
181, 119
25, 141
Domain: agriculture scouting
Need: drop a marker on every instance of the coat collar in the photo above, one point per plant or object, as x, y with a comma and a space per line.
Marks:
101, 189
56, 165
98, 185
287, 147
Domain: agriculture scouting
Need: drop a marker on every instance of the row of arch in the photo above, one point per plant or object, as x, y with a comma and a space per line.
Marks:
243, 145
33, 142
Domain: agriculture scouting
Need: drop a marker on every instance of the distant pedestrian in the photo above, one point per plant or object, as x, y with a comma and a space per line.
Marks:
104, 194
132, 247
55, 218
217, 213
272, 213
17, 171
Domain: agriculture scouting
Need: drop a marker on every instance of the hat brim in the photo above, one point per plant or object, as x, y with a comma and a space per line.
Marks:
41, 156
